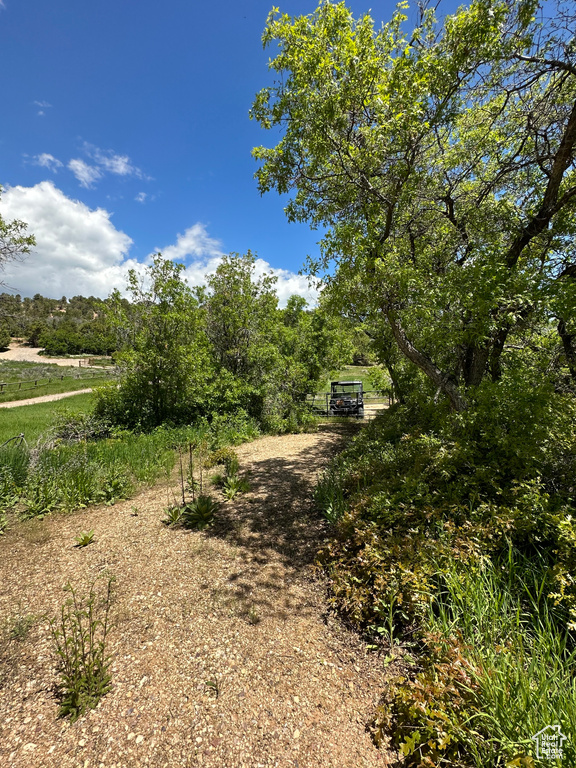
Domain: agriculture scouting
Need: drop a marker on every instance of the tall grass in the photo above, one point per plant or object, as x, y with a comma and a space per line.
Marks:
63, 475
521, 653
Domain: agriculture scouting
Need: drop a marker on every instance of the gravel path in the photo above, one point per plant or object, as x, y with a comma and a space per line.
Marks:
223, 655
32, 355
43, 398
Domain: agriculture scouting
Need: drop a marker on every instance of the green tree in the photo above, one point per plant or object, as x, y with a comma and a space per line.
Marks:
164, 359
442, 164
15, 244
4, 337
268, 359
240, 313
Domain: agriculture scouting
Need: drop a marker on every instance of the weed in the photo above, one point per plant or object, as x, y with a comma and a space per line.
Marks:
115, 485
253, 616
213, 687
20, 627
218, 479
200, 513
85, 538
173, 515
234, 485
329, 497
79, 636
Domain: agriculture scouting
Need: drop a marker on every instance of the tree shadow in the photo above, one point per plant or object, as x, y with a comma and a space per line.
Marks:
277, 515
276, 528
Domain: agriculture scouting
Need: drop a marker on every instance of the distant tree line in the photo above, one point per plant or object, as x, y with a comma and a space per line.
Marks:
62, 326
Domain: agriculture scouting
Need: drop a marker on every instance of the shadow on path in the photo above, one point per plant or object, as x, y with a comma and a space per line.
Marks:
277, 515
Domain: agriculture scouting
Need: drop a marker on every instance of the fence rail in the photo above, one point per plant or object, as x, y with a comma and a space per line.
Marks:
25, 386
321, 400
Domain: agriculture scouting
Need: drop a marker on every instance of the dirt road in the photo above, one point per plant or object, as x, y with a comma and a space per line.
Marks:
43, 398
32, 355
223, 654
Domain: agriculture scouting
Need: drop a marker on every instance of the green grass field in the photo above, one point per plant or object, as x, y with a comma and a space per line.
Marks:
33, 420
26, 380
352, 373
15, 370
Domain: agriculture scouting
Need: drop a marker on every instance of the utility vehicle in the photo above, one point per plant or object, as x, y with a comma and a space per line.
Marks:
346, 398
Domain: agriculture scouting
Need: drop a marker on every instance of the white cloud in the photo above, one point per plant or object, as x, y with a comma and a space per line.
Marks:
42, 104
206, 253
78, 250
141, 197
46, 160
104, 161
288, 283
86, 174
194, 242
111, 162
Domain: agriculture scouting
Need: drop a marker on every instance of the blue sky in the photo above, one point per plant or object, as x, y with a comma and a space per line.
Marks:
125, 130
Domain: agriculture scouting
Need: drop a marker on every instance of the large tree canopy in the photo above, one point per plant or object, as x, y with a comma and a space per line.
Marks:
442, 163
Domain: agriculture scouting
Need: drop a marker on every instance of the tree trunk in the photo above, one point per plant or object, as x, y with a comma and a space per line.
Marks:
439, 379
396, 388
474, 364
568, 344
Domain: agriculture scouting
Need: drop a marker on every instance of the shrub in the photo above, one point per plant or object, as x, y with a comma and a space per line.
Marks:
459, 534
74, 428
5, 337
495, 664
224, 456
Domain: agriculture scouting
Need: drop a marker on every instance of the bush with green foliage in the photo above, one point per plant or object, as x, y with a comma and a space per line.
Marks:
185, 355
457, 533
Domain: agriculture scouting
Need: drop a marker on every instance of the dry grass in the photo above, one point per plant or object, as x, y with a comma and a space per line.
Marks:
222, 653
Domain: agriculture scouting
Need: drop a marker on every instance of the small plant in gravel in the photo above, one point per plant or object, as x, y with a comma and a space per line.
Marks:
234, 485
213, 687
85, 538
19, 628
173, 515
218, 479
199, 514
253, 616
79, 635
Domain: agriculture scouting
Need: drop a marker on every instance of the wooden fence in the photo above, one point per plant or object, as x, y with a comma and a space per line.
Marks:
25, 386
